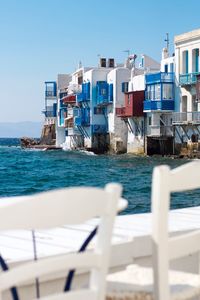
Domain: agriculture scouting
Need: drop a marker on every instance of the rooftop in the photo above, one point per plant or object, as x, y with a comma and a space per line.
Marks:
191, 35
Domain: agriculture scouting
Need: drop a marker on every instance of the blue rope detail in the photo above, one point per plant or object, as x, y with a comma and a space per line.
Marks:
82, 249
13, 290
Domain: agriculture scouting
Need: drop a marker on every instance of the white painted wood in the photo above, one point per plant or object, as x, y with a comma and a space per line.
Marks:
47, 266
160, 207
56, 208
184, 245
74, 295
164, 247
165, 181
185, 177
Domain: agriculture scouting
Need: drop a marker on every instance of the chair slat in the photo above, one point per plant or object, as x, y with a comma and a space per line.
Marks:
47, 266
52, 209
184, 245
74, 295
185, 177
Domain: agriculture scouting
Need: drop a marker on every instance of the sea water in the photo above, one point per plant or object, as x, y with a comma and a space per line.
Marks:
24, 172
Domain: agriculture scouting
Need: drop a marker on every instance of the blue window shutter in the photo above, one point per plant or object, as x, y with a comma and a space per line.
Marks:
186, 61
197, 60
124, 87
110, 92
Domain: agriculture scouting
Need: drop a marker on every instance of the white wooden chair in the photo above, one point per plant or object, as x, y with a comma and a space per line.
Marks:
160, 283
56, 208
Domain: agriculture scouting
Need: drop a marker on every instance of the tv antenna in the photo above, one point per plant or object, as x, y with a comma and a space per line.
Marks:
167, 41
127, 51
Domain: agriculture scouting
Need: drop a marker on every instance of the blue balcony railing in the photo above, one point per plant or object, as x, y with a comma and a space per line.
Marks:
189, 78
104, 93
81, 116
77, 121
50, 89
85, 94
163, 105
159, 77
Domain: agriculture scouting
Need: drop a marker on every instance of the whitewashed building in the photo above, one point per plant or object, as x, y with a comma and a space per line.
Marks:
187, 119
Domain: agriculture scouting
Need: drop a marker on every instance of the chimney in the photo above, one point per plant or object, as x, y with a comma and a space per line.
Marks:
103, 62
165, 53
111, 63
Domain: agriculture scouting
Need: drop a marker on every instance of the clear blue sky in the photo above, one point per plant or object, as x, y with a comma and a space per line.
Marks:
41, 38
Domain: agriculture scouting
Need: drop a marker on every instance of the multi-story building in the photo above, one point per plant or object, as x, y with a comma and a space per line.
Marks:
131, 112
50, 102
145, 107
48, 135
118, 79
187, 59
86, 109
159, 104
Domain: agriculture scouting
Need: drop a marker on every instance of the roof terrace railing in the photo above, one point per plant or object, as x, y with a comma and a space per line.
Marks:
188, 79
186, 117
159, 77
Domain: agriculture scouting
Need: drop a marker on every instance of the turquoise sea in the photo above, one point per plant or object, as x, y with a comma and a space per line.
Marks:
24, 172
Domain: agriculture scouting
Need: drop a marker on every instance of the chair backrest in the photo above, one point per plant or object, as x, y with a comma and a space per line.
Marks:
165, 248
57, 208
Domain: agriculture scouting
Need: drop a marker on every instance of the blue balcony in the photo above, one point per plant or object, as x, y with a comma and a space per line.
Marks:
82, 116
159, 77
50, 111
81, 97
163, 105
63, 115
50, 89
78, 121
188, 79
104, 92
85, 94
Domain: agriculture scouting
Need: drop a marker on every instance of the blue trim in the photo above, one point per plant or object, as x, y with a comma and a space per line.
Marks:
163, 105
159, 77
13, 290
197, 60
71, 273
186, 61
189, 78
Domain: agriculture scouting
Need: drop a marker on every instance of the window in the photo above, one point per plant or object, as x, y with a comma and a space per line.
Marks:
80, 79
167, 91
166, 68
157, 92
103, 92
99, 110
124, 87
172, 67
185, 62
142, 128
129, 99
150, 92
195, 60
149, 121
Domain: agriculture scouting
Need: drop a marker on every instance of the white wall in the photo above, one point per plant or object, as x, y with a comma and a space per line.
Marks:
94, 75
186, 42
168, 61
117, 127
60, 136
137, 83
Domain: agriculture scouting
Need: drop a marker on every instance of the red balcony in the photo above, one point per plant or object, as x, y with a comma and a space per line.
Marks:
133, 105
121, 111
69, 99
